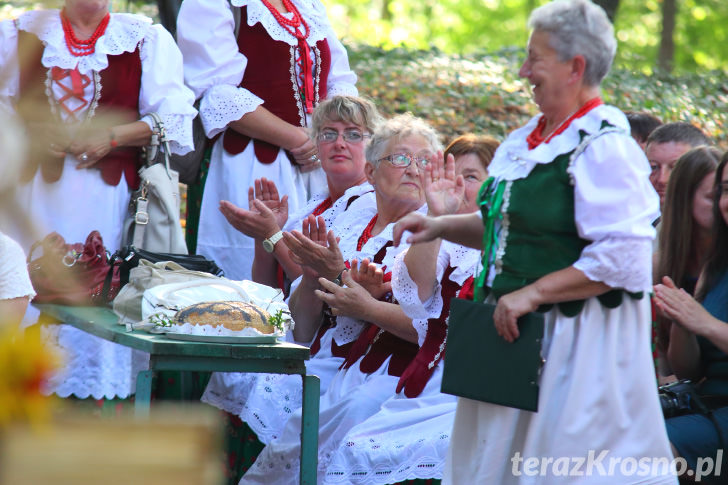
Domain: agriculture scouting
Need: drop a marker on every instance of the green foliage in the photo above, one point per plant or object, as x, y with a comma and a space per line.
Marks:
468, 26
481, 92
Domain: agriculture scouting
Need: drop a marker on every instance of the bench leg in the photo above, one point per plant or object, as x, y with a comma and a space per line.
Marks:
143, 393
309, 429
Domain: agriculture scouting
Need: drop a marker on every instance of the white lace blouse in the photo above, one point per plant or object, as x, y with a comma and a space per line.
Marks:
14, 279
214, 66
614, 202
162, 84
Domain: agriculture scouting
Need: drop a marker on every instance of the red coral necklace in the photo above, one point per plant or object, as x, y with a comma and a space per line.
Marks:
367, 234
77, 47
294, 27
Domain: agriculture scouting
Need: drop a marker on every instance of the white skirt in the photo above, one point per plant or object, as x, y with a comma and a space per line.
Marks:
229, 178
79, 202
92, 366
351, 398
597, 394
407, 439
267, 401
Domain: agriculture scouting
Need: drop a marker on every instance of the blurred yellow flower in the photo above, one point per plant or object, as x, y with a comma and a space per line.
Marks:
25, 364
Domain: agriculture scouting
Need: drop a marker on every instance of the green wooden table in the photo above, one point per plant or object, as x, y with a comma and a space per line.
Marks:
170, 354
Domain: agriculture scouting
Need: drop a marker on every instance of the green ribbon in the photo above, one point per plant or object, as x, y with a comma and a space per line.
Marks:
490, 199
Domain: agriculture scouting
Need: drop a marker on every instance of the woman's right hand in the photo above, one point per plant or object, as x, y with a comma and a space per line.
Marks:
423, 228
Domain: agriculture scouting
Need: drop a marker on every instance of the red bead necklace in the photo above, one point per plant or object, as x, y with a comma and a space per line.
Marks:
293, 27
323, 206
367, 234
80, 48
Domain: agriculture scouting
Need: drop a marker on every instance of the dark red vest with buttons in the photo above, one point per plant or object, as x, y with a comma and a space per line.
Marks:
268, 76
120, 86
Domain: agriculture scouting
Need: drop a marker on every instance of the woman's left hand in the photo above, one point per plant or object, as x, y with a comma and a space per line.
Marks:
350, 299
511, 307
95, 145
443, 189
315, 247
306, 154
370, 276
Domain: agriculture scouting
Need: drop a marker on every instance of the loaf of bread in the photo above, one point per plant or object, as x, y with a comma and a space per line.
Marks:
233, 315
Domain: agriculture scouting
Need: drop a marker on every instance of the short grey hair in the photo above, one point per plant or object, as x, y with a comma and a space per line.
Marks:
397, 128
578, 27
348, 109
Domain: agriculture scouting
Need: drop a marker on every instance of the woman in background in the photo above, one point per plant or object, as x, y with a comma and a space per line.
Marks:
698, 348
409, 436
84, 82
686, 233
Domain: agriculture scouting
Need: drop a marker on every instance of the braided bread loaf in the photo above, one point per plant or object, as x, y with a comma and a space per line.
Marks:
233, 315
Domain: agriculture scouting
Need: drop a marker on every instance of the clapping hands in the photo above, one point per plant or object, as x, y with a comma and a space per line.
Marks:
267, 215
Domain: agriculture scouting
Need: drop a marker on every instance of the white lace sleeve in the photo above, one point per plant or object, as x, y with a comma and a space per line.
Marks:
405, 289
14, 279
213, 64
614, 206
619, 262
163, 90
9, 74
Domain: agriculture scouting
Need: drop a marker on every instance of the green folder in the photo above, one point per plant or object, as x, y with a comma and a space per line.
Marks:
481, 365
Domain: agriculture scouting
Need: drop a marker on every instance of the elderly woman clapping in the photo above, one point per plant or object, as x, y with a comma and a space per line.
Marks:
341, 127
341, 328
567, 216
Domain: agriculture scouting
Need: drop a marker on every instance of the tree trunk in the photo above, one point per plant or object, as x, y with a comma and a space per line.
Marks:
609, 6
666, 54
386, 13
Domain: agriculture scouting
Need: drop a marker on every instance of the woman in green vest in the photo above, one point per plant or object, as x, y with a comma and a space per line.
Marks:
565, 229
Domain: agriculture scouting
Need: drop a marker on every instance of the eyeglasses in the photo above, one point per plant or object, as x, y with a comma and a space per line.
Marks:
349, 136
404, 160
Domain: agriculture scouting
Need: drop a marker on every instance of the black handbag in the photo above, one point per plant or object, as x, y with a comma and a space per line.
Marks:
128, 257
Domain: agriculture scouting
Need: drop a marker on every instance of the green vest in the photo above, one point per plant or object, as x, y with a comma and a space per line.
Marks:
537, 233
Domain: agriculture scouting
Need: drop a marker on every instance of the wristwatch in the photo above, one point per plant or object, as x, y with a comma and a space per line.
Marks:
270, 244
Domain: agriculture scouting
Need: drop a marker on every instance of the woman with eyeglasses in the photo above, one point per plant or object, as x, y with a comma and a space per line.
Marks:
565, 228
332, 317
341, 127
259, 68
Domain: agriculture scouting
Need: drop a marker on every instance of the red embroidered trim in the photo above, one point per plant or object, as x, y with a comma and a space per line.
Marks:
535, 138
